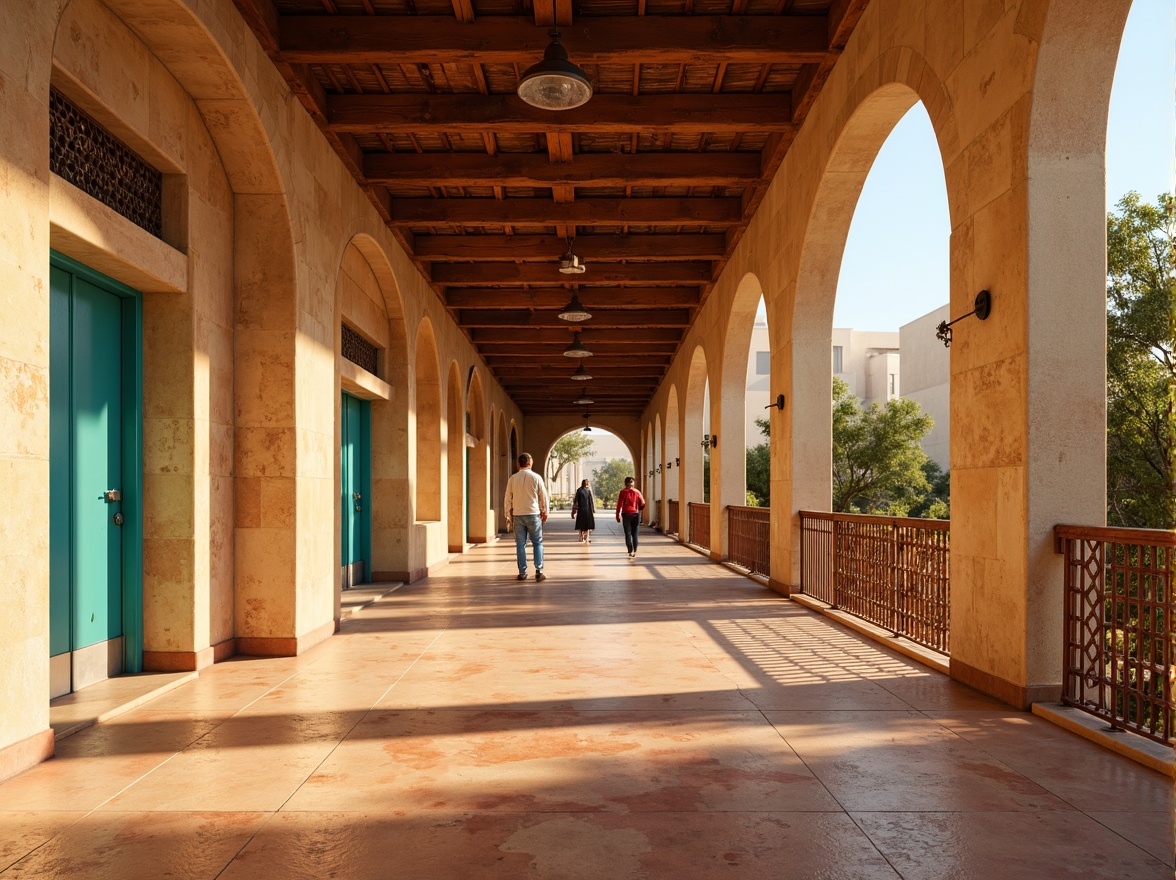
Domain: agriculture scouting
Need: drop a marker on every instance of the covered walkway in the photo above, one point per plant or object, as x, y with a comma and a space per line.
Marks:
657, 717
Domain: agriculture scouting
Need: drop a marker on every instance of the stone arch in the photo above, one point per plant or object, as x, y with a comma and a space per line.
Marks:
501, 467
884, 92
694, 417
671, 483
655, 465
254, 509
367, 300
455, 460
479, 529
731, 468
427, 397
645, 476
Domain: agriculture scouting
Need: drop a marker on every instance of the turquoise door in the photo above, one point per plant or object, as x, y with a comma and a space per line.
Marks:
355, 458
93, 472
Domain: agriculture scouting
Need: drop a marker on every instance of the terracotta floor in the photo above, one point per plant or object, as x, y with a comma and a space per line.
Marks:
657, 717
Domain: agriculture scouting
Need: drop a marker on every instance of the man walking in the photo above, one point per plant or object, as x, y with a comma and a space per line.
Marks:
526, 511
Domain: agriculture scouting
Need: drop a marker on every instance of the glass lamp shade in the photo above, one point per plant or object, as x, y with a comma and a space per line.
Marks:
574, 311
576, 350
555, 83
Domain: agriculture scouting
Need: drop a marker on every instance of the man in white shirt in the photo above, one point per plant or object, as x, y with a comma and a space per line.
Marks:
526, 511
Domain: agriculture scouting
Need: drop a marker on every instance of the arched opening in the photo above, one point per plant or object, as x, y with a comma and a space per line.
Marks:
455, 460
502, 469
671, 476
692, 459
479, 527
428, 425
656, 485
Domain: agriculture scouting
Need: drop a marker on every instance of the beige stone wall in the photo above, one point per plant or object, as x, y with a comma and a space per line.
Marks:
972, 63
241, 309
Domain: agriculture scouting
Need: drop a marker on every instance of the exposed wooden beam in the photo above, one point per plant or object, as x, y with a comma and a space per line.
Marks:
545, 383
591, 297
562, 337
587, 169
543, 212
606, 114
678, 39
546, 248
494, 274
556, 362
610, 319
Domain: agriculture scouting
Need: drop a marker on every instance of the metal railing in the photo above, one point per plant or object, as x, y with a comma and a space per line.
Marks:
891, 571
749, 538
699, 514
1118, 620
671, 517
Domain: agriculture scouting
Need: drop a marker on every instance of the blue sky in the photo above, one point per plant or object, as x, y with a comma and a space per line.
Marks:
895, 266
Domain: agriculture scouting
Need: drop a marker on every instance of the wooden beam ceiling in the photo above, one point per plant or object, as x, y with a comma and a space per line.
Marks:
651, 183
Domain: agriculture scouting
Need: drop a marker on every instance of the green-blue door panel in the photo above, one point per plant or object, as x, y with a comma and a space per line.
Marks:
60, 295
354, 479
97, 446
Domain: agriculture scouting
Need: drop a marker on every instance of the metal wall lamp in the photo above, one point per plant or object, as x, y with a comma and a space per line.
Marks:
982, 309
659, 468
710, 441
555, 83
777, 404
678, 462
669, 465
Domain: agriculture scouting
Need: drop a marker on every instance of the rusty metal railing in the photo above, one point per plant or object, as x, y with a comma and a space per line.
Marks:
749, 538
699, 514
671, 516
1119, 626
891, 571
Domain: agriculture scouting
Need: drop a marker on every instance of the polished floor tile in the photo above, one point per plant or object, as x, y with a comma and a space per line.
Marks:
653, 718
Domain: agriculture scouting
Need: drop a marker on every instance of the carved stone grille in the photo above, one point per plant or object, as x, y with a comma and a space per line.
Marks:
96, 162
358, 350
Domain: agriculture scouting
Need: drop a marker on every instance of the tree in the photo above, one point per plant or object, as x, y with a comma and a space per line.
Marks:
609, 480
1141, 283
936, 504
569, 448
759, 468
878, 465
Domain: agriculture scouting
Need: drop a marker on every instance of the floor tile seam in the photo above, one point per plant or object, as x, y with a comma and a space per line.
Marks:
294, 791
229, 863
804, 763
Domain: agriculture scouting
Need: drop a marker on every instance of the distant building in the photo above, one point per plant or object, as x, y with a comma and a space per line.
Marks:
926, 379
605, 447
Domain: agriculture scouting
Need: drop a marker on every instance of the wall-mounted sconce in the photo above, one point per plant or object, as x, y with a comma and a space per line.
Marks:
669, 465
710, 441
982, 309
778, 404
678, 462
659, 468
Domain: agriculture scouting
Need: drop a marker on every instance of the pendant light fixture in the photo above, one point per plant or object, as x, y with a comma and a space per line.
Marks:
576, 350
581, 374
555, 83
570, 264
584, 399
574, 310
586, 417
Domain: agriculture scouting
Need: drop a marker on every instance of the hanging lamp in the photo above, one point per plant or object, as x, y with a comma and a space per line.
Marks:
581, 374
555, 83
576, 350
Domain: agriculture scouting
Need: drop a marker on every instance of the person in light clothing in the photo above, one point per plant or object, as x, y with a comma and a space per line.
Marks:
630, 503
526, 511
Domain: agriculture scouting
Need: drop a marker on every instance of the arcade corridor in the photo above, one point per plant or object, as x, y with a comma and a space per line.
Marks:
657, 717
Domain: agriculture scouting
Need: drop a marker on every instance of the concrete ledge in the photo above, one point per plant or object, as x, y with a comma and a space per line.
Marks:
1153, 755
29, 752
907, 648
358, 598
108, 699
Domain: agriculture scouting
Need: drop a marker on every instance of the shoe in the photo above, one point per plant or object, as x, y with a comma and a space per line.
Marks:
631, 554
523, 576
540, 576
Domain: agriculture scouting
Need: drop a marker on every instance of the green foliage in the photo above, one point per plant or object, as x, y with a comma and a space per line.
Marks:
752, 501
609, 480
759, 469
878, 466
569, 448
1141, 283
936, 504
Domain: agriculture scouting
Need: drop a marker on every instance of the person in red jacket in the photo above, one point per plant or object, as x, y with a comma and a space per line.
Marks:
629, 507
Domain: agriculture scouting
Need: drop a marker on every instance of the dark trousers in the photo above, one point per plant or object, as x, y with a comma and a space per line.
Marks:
631, 522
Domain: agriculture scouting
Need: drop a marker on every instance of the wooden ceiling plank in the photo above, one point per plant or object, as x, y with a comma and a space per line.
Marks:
557, 298
543, 248
693, 39
605, 114
542, 212
608, 320
560, 336
588, 169
496, 274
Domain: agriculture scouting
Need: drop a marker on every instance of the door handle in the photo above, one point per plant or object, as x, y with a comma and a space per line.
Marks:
112, 495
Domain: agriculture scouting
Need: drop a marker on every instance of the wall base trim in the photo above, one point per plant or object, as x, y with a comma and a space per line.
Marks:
281, 646
782, 588
188, 661
1017, 695
26, 753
